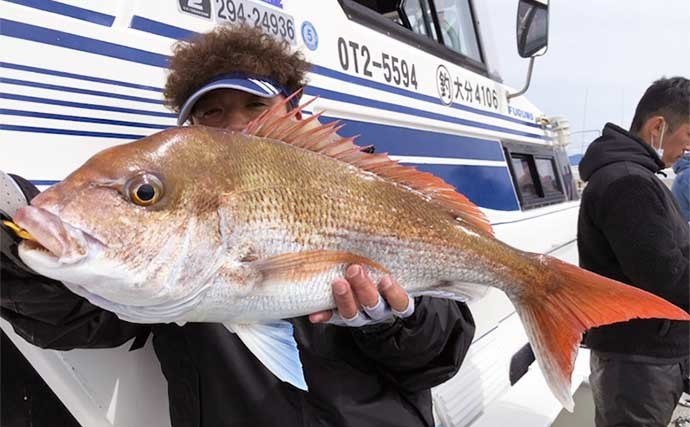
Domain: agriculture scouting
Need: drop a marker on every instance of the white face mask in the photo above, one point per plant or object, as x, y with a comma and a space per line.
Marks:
660, 150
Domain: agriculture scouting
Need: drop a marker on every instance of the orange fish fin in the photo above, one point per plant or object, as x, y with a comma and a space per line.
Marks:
573, 301
306, 264
311, 135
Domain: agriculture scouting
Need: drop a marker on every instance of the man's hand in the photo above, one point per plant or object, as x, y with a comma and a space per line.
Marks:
359, 302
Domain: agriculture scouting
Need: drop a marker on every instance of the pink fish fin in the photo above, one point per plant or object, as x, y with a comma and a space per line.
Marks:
276, 115
309, 134
300, 265
569, 301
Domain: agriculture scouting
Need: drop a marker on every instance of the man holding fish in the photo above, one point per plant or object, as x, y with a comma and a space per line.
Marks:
201, 224
369, 362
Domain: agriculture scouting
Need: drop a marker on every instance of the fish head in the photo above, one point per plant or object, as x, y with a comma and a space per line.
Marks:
136, 225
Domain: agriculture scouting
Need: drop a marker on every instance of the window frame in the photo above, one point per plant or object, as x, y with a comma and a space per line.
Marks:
377, 22
532, 152
477, 36
427, 24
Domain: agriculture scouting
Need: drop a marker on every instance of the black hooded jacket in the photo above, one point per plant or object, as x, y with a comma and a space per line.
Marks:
377, 375
631, 229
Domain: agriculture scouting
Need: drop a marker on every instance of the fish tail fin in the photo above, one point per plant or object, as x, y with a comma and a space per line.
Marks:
570, 301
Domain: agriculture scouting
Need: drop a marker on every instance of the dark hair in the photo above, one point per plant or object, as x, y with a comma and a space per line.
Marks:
229, 49
669, 98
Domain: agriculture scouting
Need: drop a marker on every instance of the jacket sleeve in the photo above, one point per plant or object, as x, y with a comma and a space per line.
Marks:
635, 222
46, 314
423, 350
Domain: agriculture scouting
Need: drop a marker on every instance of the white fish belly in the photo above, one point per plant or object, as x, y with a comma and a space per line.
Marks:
417, 267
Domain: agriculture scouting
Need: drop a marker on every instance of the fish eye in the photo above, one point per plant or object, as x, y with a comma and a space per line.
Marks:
145, 193
144, 189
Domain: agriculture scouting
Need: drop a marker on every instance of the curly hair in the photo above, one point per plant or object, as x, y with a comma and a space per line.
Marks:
231, 49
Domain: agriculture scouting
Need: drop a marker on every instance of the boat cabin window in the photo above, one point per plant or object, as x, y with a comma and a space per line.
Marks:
535, 174
387, 8
419, 18
445, 28
569, 184
547, 174
457, 27
524, 175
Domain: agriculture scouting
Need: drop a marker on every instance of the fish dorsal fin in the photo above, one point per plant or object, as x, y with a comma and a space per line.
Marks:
309, 134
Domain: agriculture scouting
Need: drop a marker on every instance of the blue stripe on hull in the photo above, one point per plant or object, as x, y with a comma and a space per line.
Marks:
388, 106
71, 41
48, 101
40, 115
31, 69
54, 131
69, 89
85, 44
402, 141
160, 28
68, 10
486, 186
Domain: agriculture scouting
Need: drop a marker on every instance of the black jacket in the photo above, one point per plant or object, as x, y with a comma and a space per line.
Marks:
372, 376
630, 229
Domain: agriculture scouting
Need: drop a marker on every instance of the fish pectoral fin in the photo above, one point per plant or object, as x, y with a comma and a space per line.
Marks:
275, 346
291, 265
458, 291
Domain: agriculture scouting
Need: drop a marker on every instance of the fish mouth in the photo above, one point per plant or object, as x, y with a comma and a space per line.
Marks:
53, 239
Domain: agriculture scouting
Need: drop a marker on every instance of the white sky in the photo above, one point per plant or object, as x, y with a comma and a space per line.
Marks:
602, 56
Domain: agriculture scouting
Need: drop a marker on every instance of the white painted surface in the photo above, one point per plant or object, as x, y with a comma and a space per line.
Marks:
103, 387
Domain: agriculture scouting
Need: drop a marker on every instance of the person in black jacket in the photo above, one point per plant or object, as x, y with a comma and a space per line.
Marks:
374, 375
631, 229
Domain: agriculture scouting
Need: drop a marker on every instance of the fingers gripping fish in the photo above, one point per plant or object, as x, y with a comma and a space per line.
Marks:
201, 224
